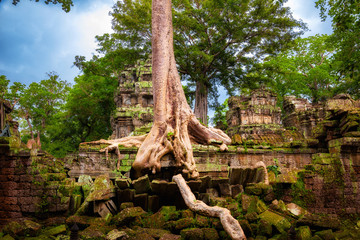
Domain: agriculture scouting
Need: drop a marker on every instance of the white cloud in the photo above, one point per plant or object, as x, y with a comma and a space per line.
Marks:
305, 10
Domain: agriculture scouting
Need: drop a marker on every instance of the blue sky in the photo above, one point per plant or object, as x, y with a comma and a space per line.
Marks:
36, 38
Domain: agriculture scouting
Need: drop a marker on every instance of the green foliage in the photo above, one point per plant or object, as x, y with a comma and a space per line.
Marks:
86, 115
274, 168
65, 4
220, 114
307, 70
301, 196
214, 41
345, 17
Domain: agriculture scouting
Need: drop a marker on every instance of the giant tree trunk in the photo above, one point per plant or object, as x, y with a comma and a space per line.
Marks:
175, 125
201, 103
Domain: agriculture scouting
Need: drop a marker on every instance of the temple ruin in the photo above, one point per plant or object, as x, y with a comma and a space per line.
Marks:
311, 153
134, 101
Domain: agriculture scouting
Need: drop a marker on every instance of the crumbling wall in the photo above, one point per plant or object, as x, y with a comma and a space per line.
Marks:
30, 185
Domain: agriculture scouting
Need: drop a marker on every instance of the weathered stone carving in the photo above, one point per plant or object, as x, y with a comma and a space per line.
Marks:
134, 101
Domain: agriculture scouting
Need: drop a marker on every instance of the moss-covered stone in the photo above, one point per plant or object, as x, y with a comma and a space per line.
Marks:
187, 213
183, 223
248, 203
126, 215
126, 205
210, 234
253, 190
7, 237
84, 221
31, 228
103, 189
54, 230
142, 185
92, 232
116, 234
202, 221
169, 212
192, 234
265, 228
326, 234
122, 183
251, 217
245, 225
303, 233
280, 222
224, 236
14, 228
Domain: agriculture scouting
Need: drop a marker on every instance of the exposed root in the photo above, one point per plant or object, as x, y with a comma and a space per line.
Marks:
175, 126
230, 224
131, 141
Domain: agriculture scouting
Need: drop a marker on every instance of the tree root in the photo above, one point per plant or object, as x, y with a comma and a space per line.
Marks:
131, 141
231, 225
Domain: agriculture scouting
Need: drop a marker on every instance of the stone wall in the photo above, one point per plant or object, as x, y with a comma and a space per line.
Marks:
210, 161
28, 186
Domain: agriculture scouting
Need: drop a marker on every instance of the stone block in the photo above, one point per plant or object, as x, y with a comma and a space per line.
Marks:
225, 189
116, 235
55, 230
126, 205
303, 233
295, 209
142, 185
216, 181
159, 187
122, 183
183, 223
126, 195
280, 222
169, 236
194, 185
105, 208
205, 183
265, 228
127, 215
236, 189
213, 192
210, 234
153, 203
326, 234
141, 200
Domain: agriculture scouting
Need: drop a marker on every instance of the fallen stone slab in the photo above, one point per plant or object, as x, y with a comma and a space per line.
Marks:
280, 222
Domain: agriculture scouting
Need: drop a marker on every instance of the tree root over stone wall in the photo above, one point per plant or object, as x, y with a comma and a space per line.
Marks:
230, 224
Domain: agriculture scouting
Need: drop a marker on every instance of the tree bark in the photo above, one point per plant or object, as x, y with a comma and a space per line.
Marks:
175, 125
201, 101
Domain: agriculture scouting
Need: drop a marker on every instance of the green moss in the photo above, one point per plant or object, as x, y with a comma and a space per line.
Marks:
280, 222
301, 196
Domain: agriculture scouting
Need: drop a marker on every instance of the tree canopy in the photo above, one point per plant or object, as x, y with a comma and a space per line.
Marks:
215, 42
307, 70
65, 4
345, 17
